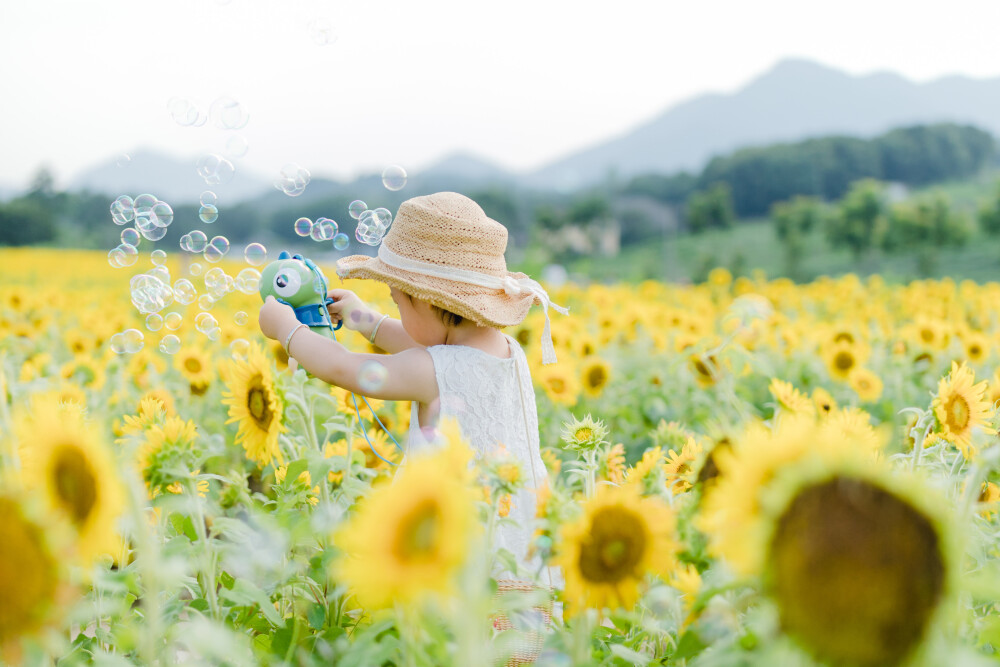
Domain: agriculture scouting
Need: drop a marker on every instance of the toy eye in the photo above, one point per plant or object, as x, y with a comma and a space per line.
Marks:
287, 283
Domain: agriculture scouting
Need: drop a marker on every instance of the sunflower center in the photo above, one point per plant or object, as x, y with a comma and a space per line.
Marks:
27, 572
616, 546
957, 413
418, 532
844, 361
975, 351
584, 434
557, 385
856, 571
257, 403
596, 377
926, 335
192, 365
74, 483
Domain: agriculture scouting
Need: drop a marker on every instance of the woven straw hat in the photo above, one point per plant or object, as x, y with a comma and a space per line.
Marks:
450, 232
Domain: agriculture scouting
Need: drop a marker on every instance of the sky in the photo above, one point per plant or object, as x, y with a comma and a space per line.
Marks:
406, 82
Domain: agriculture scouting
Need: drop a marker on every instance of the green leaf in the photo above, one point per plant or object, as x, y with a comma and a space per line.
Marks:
227, 580
316, 616
245, 593
199, 604
628, 655
296, 468
183, 525
689, 646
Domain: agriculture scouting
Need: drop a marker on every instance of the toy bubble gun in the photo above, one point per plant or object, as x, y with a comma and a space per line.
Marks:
297, 282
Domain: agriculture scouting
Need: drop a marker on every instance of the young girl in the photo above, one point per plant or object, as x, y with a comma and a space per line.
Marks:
443, 260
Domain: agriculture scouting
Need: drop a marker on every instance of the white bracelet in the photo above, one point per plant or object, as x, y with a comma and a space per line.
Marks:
288, 338
371, 339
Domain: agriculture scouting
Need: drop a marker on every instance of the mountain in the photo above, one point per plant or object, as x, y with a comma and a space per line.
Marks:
172, 179
465, 168
795, 100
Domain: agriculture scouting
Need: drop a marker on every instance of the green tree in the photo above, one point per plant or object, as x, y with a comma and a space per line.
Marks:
989, 213
922, 227
860, 218
793, 220
710, 209
26, 222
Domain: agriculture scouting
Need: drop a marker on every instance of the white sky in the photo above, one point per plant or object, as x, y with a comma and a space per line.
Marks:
520, 82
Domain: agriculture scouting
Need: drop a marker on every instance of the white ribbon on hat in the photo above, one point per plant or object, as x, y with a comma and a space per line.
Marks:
510, 285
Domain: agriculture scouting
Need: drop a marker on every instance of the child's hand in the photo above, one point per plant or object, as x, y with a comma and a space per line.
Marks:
349, 307
275, 318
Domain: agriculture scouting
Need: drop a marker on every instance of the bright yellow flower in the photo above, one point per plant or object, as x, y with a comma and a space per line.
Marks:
255, 405
960, 406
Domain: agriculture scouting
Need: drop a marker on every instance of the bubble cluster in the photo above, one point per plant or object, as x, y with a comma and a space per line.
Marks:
372, 226
247, 281
241, 318
321, 32
215, 169
324, 229
149, 293
394, 177
151, 218
184, 291
173, 320
372, 376
255, 254
228, 114
170, 344
292, 179
340, 241
122, 210
195, 241
154, 321
303, 226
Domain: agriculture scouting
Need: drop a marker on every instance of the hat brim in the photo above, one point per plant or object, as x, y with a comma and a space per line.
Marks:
482, 305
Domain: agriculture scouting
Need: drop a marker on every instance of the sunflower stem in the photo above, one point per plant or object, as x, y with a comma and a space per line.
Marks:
150, 567
590, 457
582, 624
206, 553
918, 443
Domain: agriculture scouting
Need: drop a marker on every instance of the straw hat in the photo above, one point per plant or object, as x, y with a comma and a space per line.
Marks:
443, 249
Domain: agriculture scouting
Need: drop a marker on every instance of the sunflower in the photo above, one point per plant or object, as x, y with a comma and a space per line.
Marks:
960, 406
705, 369
823, 401
408, 540
553, 464
608, 551
196, 367
164, 446
977, 346
68, 463
649, 463
30, 572
678, 467
857, 561
560, 384
255, 405
612, 464
594, 375
584, 434
789, 398
865, 383
842, 358
84, 371
854, 426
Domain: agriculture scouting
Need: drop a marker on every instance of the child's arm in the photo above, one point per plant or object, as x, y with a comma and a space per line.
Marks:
409, 376
358, 316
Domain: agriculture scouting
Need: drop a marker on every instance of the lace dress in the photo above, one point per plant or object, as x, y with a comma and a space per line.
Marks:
494, 402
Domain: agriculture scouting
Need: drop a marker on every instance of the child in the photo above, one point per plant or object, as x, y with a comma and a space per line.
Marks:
443, 260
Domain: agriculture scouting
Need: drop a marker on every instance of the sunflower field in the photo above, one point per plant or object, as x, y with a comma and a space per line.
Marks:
741, 472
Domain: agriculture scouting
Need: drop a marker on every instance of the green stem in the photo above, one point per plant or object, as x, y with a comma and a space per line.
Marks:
918, 444
206, 553
149, 566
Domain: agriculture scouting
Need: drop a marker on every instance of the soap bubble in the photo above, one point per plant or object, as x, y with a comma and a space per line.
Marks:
321, 31
208, 213
173, 320
255, 254
206, 302
161, 215
212, 254
214, 334
150, 294
303, 226
124, 160
158, 257
153, 233
122, 210
133, 340
170, 344
214, 277
154, 321
117, 343
183, 111
247, 281
143, 204
161, 273
208, 198
228, 114
196, 268
220, 243
372, 376
356, 208
126, 254
130, 236
292, 179
198, 241
394, 177
324, 229
116, 258
237, 146
241, 318
384, 217
215, 169
340, 241
184, 291
185, 243
204, 321
239, 348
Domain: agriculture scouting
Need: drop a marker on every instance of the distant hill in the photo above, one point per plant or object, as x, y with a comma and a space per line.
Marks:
795, 100
172, 179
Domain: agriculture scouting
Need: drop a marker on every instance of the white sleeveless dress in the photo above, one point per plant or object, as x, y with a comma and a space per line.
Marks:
494, 402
